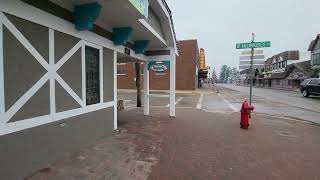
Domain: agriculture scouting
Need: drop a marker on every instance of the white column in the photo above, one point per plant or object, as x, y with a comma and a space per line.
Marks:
146, 105
173, 86
52, 73
115, 91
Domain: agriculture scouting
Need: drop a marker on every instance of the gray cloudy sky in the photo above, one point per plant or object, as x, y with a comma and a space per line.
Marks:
219, 24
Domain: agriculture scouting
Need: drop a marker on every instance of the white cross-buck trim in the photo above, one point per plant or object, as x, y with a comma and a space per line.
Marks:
52, 76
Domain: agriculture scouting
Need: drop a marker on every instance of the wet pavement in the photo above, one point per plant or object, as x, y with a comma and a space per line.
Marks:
203, 142
229, 99
279, 103
211, 146
196, 145
182, 100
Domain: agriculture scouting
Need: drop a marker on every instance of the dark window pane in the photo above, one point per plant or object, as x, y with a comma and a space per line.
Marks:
92, 76
313, 82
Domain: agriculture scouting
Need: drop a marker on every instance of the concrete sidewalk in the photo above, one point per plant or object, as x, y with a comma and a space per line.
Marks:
196, 145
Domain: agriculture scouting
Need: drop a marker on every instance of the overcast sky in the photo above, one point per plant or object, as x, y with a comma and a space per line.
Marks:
219, 24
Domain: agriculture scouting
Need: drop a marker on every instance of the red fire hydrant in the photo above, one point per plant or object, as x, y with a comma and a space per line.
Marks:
245, 114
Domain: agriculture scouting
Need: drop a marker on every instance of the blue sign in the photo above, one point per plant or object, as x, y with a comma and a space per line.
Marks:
159, 66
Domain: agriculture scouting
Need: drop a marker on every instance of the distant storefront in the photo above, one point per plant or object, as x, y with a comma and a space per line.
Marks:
292, 76
187, 66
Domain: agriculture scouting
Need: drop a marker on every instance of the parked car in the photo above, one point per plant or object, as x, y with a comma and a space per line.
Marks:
310, 87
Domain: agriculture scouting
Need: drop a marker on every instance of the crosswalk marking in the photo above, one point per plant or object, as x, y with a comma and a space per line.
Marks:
228, 103
199, 105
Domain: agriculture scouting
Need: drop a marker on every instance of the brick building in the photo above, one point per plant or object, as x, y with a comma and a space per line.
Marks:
186, 70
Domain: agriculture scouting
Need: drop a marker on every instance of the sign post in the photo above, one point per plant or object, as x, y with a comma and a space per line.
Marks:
251, 46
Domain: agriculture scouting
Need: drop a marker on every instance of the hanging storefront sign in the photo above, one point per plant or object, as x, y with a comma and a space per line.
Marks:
202, 59
159, 66
141, 5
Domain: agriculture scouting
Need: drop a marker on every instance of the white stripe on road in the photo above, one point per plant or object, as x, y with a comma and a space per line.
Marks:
199, 105
178, 100
228, 103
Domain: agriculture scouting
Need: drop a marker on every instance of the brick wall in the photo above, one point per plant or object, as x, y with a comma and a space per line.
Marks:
185, 71
126, 75
186, 65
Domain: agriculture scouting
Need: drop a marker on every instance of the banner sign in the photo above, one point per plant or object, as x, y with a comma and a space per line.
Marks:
202, 59
159, 66
256, 51
141, 5
249, 57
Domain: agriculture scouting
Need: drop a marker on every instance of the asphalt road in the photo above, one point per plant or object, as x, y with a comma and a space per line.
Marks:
273, 102
278, 103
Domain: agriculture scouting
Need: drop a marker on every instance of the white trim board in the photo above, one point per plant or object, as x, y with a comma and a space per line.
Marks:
19, 36
115, 88
101, 74
151, 29
68, 55
51, 73
2, 97
69, 90
24, 99
38, 121
83, 70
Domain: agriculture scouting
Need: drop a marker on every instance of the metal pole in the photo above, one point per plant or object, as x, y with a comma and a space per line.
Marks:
251, 67
251, 74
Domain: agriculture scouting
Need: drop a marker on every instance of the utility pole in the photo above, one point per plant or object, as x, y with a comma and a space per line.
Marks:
138, 83
251, 67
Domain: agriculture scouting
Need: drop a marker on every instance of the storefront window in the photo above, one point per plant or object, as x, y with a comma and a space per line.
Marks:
92, 75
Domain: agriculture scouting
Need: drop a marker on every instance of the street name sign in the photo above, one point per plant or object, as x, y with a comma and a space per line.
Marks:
253, 45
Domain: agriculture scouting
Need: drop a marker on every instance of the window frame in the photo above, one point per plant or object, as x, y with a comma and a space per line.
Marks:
100, 76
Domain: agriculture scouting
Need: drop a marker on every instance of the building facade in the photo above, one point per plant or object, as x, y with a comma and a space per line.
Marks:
314, 47
286, 70
187, 66
58, 73
279, 62
293, 75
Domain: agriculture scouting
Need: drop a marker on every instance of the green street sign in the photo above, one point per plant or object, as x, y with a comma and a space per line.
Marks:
253, 45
